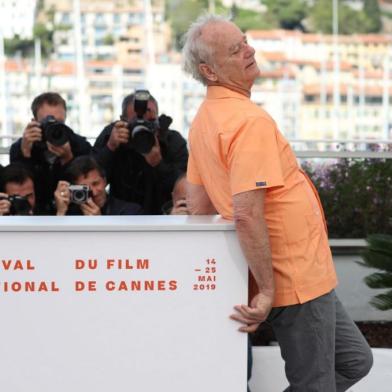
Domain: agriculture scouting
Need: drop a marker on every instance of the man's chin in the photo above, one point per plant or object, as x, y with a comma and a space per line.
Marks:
100, 202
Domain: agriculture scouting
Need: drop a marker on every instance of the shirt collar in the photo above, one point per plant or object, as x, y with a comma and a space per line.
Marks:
218, 91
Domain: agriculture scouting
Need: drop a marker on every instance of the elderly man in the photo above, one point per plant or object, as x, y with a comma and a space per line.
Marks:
242, 166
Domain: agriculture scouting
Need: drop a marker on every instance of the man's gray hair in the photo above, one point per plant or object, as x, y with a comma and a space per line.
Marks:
195, 50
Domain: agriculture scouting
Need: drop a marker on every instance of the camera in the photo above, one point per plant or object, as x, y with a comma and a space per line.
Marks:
142, 132
19, 205
79, 194
55, 132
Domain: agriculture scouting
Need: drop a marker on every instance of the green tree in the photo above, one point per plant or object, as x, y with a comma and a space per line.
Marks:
320, 16
16, 45
248, 19
45, 35
288, 13
108, 39
372, 11
378, 254
350, 21
181, 13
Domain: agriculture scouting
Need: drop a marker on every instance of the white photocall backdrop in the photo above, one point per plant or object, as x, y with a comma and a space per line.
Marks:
174, 336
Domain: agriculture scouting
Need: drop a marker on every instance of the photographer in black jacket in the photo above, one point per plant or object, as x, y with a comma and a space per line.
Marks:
141, 155
48, 145
85, 193
17, 193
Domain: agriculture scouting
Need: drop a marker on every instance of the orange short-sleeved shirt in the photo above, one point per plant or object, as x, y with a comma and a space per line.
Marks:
236, 147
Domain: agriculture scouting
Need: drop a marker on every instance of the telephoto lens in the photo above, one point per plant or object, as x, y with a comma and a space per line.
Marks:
55, 132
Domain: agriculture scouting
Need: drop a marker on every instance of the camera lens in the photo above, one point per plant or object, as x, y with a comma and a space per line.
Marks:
143, 139
19, 205
79, 196
57, 134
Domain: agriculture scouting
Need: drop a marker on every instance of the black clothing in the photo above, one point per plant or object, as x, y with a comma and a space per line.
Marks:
131, 178
46, 167
112, 206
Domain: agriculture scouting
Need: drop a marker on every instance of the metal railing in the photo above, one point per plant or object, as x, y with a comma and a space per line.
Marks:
333, 149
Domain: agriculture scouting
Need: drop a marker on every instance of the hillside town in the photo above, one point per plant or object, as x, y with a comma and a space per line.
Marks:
316, 86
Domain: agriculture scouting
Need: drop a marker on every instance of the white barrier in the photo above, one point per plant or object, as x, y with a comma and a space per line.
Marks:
120, 303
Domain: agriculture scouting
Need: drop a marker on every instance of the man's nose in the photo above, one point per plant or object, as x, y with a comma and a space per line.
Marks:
250, 51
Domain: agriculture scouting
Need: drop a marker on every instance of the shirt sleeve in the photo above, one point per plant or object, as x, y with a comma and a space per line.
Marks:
192, 173
253, 157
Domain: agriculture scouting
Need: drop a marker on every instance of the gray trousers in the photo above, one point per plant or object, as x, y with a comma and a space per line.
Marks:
323, 349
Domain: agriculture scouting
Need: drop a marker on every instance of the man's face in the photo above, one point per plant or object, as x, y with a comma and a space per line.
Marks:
25, 189
97, 185
150, 115
233, 59
57, 111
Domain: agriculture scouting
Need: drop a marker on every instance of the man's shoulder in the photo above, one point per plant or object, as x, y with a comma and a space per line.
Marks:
79, 144
15, 148
17, 142
104, 135
174, 135
78, 138
230, 114
107, 129
256, 112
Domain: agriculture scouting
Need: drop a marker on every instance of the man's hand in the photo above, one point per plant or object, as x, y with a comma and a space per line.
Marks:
62, 197
254, 314
154, 157
64, 152
31, 134
5, 204
252, 232
90, 208
179, 208
119, 135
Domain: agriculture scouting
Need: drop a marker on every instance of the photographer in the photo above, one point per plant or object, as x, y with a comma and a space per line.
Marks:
87, 194
48, 145
179, 197
177, 205
17, 195
142, 167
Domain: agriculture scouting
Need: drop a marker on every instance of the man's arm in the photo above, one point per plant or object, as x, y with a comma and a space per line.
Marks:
62, 197
102, 153
253, 236
5, 205
198, 201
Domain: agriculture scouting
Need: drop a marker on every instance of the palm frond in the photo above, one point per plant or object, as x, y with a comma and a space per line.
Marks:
377, 260
379, 280
380, 243
382, 301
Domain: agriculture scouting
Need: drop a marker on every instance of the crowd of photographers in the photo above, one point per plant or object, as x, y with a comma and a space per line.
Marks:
136, 165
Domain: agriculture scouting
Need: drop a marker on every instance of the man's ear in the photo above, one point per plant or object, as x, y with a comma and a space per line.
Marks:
208, 72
